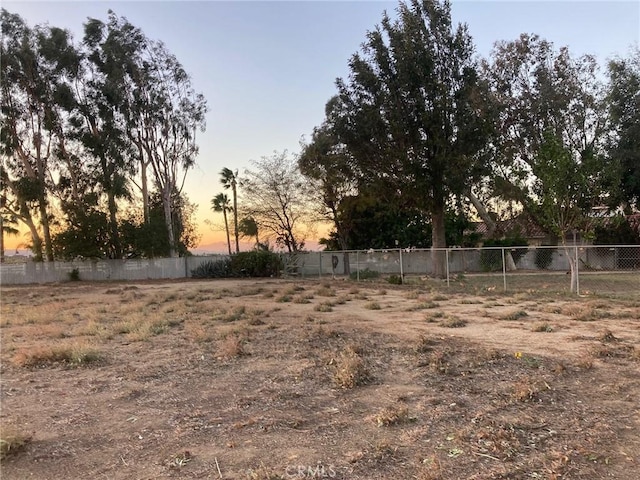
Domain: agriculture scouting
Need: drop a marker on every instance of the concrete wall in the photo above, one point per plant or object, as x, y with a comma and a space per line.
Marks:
92, 270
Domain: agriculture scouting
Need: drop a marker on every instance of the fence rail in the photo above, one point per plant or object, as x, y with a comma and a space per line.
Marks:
608, 269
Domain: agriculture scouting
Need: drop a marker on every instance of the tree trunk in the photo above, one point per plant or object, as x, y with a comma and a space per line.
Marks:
483, 214
145, 190
235, 215
168, 220
439, 242
492, 228
113, 225
226, 228
573, 265
46, 233
1, 239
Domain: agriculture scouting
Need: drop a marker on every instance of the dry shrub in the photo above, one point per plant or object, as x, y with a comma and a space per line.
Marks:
607, 337
324, 307
393, 415
230, 347
515, 315
453, 322
71, 355
198, 333
11, 441
543, 328
430, 469
372, 306
325, 291
303, 299
350, 368
527, 389
424, 344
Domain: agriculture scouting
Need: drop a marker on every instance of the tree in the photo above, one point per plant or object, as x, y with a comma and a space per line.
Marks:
162, 111
229, 180
248, 227
326, 162
412, 111
221, 203
550, 136
279, 197
34, 64
624, 109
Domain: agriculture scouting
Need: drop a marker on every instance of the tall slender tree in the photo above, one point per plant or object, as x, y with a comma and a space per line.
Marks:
221, 203
229, 180
412, 111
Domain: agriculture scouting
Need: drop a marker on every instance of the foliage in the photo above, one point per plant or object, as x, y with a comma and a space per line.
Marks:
412, 112
74, 275
395, 280
257, 263
82, 124
543, 257
624, 109
491, 259
616, 231
213, 269
365, 274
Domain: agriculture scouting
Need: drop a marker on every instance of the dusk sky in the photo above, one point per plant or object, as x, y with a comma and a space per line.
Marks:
267, 68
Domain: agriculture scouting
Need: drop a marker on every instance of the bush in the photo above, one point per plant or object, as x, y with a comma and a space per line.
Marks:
395, 280
543, 257
256, 264
365, 274
491, 260
213, 269
74, 275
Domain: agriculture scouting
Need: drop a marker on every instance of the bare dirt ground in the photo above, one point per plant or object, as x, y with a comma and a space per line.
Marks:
276, 379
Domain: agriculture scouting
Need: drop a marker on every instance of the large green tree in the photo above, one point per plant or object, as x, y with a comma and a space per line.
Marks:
412, 111
624, 108
550, 136
35, 63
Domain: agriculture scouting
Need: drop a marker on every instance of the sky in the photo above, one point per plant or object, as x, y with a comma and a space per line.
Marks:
267, 68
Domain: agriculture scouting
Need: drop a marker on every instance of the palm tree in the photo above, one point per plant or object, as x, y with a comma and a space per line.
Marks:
248, 227
221, 203
229, 179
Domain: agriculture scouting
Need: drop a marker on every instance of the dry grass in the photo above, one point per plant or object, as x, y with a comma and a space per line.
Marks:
350, 368
324, 307
453, 322
373, 306
231, 346
515, 315
11, 441
542, 327
46, 356
393, 415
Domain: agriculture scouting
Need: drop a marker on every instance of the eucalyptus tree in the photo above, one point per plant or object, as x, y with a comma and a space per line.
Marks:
34, 64
221, 203
412, 113
229, 180
161, 113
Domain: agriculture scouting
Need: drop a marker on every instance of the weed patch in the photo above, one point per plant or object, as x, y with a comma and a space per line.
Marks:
73, 356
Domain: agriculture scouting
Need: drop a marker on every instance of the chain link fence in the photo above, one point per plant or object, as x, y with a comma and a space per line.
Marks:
600, 269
